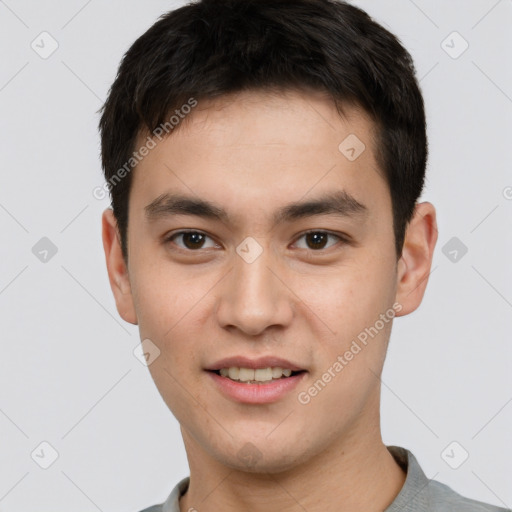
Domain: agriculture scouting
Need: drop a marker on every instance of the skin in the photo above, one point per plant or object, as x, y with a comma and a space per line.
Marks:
252, 153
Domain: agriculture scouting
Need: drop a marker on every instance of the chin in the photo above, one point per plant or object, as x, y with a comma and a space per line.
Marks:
261, 456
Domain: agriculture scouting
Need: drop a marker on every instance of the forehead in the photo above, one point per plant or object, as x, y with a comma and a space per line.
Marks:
287, 117
261, 148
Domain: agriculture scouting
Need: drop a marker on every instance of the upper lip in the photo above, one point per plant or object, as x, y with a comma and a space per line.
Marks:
260, 362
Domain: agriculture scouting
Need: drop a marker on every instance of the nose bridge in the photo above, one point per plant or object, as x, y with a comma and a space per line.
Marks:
253, 298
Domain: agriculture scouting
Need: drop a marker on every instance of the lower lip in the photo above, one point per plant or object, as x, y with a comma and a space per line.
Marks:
263, 393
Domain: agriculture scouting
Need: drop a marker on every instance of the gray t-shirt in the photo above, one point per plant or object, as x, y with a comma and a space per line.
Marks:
418, 494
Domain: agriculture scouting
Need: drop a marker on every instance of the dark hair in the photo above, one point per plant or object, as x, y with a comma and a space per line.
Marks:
210, 48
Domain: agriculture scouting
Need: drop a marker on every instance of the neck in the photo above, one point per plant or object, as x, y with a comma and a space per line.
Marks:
355, 473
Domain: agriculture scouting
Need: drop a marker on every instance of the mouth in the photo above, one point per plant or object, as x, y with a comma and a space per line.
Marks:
259, 385
256, 375
256, 380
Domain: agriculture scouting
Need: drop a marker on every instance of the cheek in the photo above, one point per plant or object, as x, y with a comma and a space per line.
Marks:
166, 304
162, 298
344, 376
350, 298
170, 304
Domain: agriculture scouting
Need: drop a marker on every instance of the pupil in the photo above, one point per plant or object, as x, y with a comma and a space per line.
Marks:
316, 239
194, 238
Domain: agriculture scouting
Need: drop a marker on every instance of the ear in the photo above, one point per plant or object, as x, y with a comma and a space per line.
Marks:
416, 260
116, 267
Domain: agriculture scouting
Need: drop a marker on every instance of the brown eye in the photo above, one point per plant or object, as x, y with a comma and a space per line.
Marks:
191, 240
317, 240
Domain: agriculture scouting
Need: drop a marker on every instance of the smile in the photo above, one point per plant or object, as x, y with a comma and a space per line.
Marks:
251, 375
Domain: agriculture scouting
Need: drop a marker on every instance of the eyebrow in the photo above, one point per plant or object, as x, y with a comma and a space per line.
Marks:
340, 203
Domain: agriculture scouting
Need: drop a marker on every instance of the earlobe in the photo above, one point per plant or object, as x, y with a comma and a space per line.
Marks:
116, 268
416, 260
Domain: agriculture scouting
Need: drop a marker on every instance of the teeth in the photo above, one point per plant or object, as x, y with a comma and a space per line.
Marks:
233, 372
258, 375
277, 372
246, 374
263, 374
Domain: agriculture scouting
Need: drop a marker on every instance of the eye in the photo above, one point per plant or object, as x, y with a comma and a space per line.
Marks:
317, 240
192, 240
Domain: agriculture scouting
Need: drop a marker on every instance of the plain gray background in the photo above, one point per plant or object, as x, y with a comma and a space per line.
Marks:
68, 373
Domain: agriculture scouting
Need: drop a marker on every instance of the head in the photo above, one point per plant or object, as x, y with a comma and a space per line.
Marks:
289, 140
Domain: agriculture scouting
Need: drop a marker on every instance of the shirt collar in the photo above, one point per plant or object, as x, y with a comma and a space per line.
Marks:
414, 496
172, 503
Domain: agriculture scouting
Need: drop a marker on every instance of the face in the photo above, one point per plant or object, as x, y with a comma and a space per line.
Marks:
259, 232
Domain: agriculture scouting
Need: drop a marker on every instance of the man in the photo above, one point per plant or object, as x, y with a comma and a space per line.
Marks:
265, 158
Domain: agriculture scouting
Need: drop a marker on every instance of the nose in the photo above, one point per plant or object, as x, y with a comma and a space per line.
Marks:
254, 296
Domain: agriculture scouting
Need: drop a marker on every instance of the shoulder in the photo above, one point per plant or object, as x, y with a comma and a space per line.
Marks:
443, 499
421, 494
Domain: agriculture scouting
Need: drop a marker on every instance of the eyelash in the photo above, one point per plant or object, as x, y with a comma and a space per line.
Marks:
342, 239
